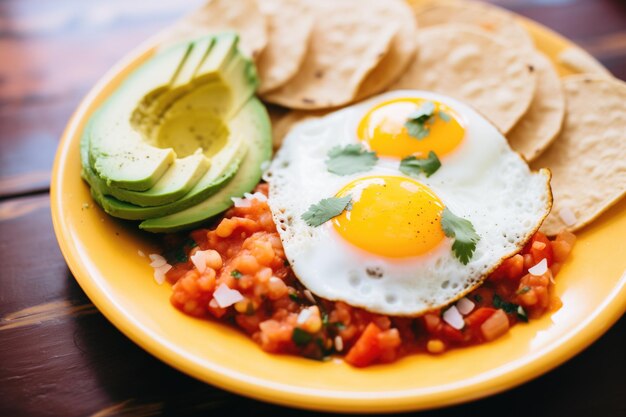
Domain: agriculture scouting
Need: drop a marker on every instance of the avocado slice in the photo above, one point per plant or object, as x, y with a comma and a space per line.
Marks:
224, 166
174, 184
252, 122
117, 152
223, 71
150, 167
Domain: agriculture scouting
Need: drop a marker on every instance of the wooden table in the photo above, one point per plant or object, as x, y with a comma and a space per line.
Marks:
58, 355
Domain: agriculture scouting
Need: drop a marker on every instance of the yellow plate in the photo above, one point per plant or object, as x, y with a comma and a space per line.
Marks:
103, 256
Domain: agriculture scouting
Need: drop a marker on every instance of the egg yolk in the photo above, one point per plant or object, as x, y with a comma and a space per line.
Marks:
391, 216
383, 129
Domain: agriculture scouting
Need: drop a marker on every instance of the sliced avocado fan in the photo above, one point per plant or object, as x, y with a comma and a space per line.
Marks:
180, 137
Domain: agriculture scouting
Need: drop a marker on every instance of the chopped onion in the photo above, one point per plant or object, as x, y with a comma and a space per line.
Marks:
157, 260
260, 196
241, 202
159, 273
338, 343
199, 260
539, 269
140, 253
465, 306
454, 318
303, 316
568, 216
309, 296
225, 297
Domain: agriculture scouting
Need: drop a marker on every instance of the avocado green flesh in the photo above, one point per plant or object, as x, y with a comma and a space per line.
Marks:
117, 153
128, 211
223, 167
213, 68
141, 149
173, 185
253, 123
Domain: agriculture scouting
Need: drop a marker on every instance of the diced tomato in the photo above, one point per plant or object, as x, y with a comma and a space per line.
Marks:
451, 334
495, 326
199, 236
478, 317
366, 349
432, 322
511, 268
540, 248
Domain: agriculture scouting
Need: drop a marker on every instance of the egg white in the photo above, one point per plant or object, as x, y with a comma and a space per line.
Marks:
482, 180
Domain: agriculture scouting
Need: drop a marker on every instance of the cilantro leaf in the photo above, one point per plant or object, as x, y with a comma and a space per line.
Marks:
413, 166
499, 303
236, 274
465, 237
510, 308
416, 123
325, 210
300, 337
350, 159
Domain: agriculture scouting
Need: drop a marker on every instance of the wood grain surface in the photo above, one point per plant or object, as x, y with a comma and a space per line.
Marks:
58, 355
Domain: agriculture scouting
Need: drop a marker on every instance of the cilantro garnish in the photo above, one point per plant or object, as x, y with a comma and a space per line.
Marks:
236, 274
416, 123
413, 166
294, 297
350, 159
176, 255
523, 290
510, 308
465, 237
325, 210
300, 337
498, 302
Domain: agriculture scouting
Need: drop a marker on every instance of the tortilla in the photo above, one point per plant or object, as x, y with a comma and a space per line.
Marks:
588, 159
493, 19
579, 60
401, 52
466, 63
542, 122
347, 43
241, 16
289, 28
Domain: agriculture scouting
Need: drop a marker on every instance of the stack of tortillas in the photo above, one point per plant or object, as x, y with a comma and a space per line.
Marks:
317, 56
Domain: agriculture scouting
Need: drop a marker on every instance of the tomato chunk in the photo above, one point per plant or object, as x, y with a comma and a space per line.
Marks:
495, 326
540, 248
366, 349
478, 317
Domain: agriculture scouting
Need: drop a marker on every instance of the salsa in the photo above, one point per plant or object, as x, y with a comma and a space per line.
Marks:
237, 273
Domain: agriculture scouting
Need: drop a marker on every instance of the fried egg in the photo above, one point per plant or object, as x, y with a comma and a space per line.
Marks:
387, 252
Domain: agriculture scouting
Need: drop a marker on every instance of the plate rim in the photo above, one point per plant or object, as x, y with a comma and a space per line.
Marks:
527, 368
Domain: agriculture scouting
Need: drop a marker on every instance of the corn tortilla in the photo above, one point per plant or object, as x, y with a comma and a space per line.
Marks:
466, 63
588, 159
542, 122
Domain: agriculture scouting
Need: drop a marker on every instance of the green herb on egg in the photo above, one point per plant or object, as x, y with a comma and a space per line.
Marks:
462, 230
350, 159
325, 210
413, 166
416, 123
